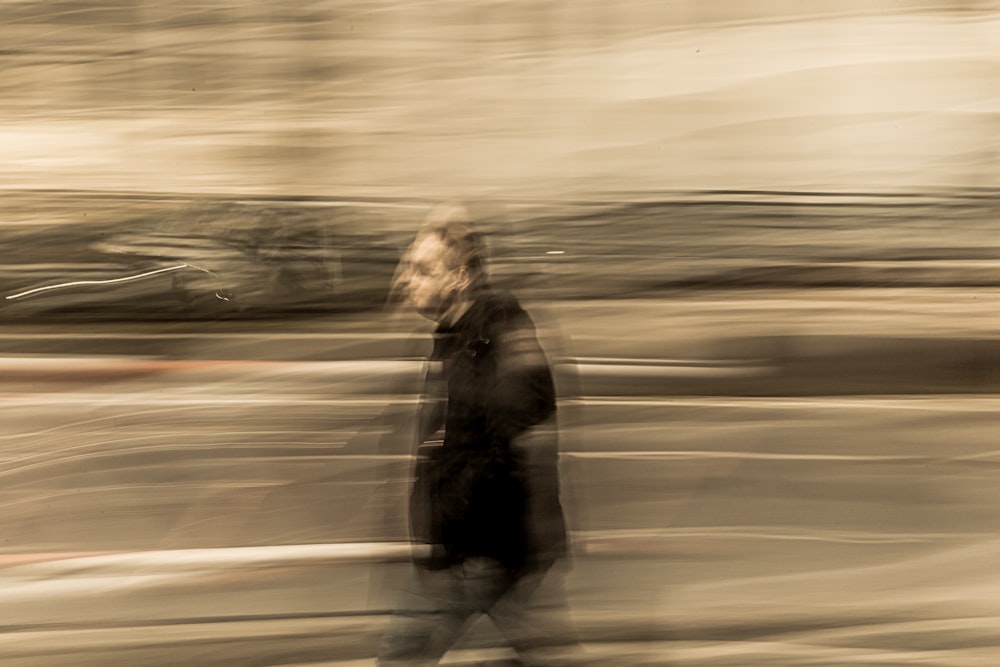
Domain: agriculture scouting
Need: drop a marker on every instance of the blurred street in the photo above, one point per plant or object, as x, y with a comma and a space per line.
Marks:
232, 499
758, 241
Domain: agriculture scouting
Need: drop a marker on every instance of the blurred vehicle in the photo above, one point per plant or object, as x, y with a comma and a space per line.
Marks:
139, 257
204, 261
138, 288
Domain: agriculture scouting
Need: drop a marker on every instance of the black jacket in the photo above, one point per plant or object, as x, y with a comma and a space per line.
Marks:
480, 489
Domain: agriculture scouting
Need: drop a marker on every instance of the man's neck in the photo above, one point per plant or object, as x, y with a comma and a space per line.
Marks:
455, 312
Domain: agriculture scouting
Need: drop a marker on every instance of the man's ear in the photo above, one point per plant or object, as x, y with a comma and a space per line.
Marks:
462, 279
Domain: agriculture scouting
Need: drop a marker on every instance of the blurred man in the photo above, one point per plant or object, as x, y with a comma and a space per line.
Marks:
485, 501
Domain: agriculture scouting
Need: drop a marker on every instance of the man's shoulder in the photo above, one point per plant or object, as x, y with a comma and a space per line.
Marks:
501, 307
509, 326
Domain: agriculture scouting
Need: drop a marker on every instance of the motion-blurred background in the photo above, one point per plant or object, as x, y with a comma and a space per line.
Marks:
550, 98
758, 239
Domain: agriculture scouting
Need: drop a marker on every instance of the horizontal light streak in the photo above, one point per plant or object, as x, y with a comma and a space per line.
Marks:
109, 281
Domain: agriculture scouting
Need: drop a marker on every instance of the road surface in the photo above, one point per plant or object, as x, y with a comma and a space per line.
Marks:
236, 497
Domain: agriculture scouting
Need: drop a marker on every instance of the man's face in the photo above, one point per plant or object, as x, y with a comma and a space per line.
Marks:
425, 279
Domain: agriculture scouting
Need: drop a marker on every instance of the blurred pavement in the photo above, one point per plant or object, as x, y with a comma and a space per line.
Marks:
779, 477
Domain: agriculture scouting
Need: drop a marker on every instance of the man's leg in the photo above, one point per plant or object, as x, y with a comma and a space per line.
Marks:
475, 585
438, 607
533, 615
428, 620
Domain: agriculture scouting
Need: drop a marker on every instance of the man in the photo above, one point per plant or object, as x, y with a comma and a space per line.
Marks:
485, 498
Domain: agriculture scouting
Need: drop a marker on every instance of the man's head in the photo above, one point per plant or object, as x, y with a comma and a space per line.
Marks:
444, 265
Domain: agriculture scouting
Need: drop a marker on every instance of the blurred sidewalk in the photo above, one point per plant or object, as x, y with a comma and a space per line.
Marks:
134, 629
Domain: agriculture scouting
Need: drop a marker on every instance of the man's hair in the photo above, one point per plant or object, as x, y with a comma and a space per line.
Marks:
465, 246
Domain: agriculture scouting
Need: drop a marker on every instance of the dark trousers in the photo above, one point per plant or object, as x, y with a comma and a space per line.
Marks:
438, 606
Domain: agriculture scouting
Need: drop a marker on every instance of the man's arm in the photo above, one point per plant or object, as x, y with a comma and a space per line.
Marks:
528, 395
525, 390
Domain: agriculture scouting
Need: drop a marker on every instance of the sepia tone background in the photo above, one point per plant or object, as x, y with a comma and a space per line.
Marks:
758, 238
442, 98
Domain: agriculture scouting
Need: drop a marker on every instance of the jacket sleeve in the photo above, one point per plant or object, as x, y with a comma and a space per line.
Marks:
525, 392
